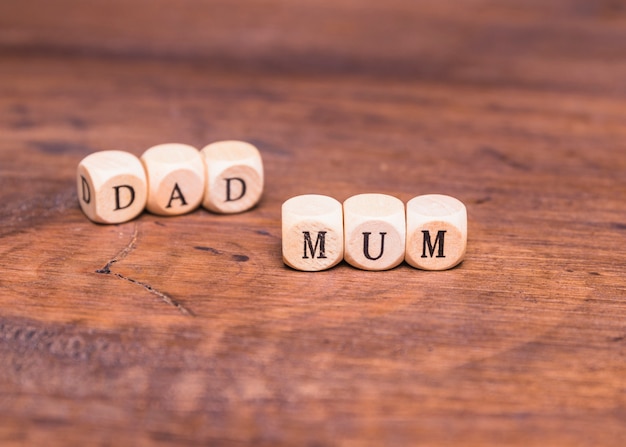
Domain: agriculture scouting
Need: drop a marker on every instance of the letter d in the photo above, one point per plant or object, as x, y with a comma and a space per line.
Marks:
118, 205
229, 198
86, 191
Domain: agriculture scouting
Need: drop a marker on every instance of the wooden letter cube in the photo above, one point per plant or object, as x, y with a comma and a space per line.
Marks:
312, 231
375, 228
234, 174
175, 178
436, 232
111, 186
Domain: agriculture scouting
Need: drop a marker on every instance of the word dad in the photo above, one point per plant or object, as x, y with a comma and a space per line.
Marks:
373, 232
170, 179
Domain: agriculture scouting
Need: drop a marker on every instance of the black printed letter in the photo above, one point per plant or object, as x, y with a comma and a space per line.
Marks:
366, 245
431, 248
228, 190
308, 243
118, 206
176, 197
86, 190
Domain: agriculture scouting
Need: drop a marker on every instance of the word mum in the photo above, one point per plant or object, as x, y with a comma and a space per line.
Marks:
170, 179
373, 232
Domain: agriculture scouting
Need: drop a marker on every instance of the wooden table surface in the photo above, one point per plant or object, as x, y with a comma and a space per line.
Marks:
198, 334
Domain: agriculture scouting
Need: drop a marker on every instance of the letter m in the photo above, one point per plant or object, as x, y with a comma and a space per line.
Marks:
428, 245
320, 243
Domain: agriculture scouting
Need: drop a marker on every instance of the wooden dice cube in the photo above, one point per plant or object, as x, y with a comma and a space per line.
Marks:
374, 231
312, 232
112, 186
234, 176
176, 178
436, 232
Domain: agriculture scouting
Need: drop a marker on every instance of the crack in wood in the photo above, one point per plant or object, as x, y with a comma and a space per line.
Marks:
106, 270
165, 297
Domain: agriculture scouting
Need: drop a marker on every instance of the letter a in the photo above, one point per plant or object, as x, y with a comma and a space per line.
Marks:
118, 205
176, 197
366, 245
431, 248
320, 241
229, 198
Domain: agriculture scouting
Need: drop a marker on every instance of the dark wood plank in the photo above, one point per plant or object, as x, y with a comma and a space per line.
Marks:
198, 334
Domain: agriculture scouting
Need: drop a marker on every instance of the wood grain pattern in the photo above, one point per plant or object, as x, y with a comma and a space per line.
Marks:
190, 330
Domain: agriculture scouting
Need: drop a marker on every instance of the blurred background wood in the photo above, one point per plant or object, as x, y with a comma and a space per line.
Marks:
190, 331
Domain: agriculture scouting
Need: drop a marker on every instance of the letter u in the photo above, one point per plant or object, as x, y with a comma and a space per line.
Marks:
366, 245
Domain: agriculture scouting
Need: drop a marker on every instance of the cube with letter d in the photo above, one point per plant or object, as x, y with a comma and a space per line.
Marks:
112, 186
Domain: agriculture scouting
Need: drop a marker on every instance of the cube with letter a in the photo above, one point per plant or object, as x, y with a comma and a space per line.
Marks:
176, 178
